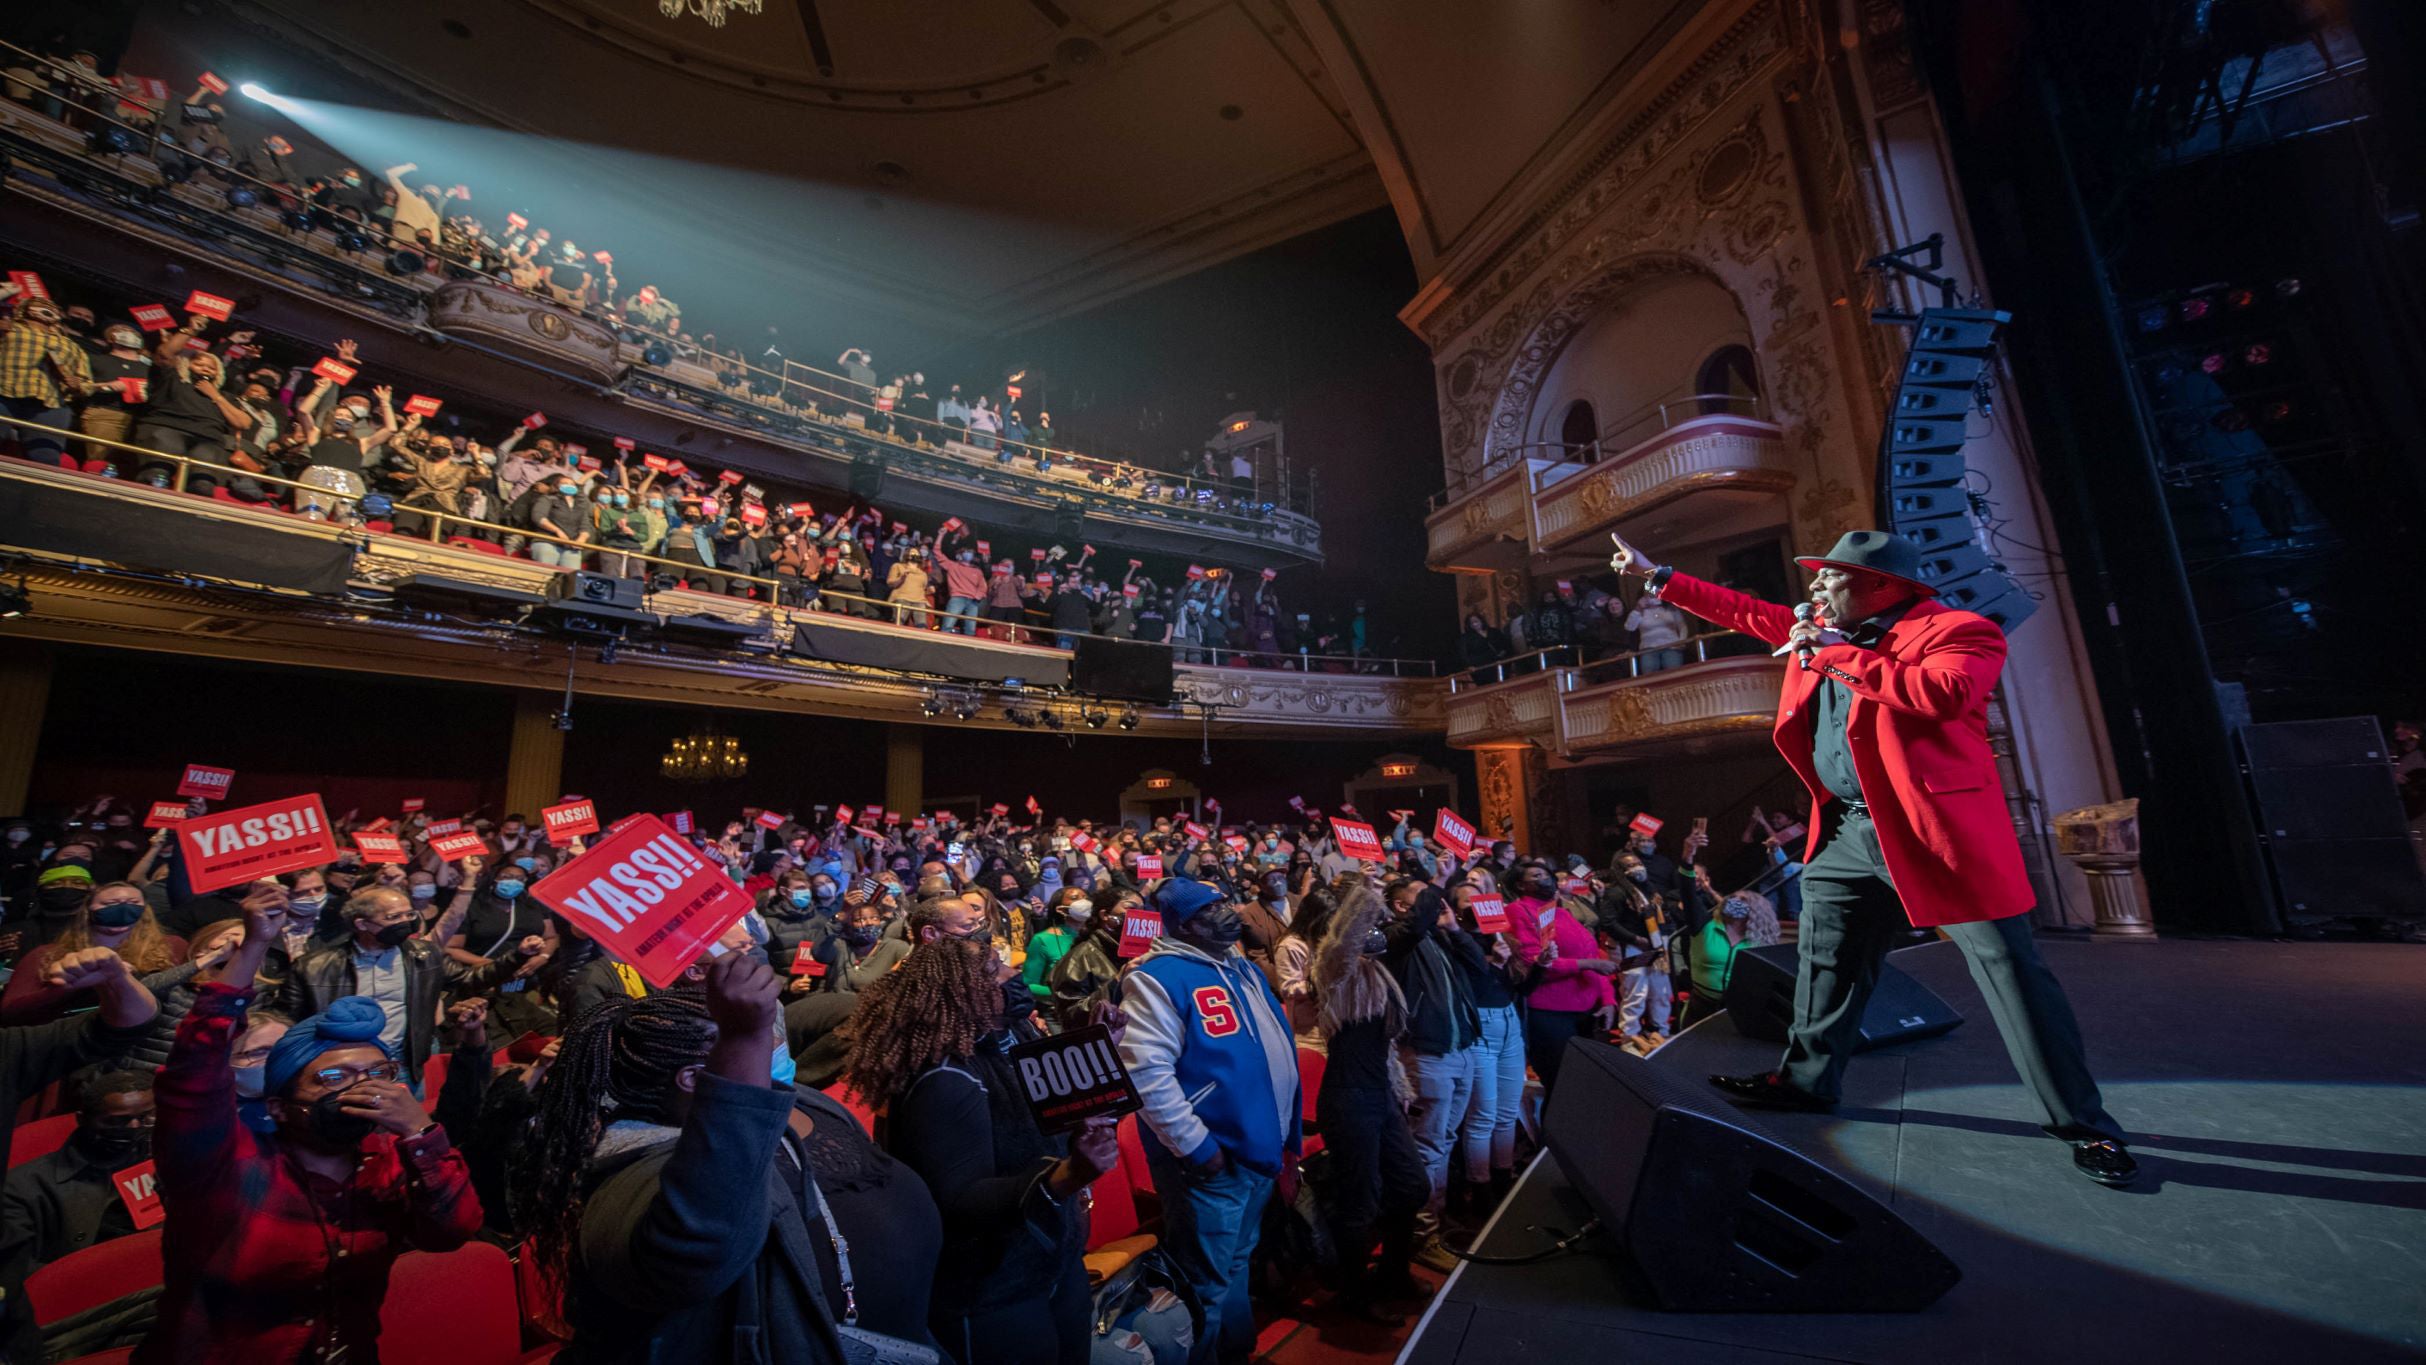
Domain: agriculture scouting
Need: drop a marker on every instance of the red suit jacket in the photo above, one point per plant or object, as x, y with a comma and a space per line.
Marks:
1919, 728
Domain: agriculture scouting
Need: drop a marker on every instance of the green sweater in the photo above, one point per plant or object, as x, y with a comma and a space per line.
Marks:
1044, 950
1713, 960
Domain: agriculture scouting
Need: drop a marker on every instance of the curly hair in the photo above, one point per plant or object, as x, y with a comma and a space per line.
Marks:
932, 1008
619, 1059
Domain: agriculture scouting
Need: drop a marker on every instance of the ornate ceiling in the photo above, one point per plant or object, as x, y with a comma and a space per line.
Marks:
985, 165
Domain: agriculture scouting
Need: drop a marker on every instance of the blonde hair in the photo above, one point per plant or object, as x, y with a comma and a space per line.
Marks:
145, 949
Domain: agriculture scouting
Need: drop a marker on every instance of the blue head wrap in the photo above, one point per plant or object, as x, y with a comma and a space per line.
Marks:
354, 1020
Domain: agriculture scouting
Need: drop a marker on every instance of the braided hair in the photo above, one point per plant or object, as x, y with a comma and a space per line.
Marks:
618, 1062
931, 1008
556, 981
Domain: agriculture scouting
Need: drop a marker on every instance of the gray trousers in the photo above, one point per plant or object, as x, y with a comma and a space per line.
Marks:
1850, 918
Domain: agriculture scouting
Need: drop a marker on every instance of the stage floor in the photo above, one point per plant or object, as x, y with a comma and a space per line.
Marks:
2276, 1093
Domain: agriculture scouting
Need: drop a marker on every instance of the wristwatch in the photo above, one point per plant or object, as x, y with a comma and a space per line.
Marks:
1660, 576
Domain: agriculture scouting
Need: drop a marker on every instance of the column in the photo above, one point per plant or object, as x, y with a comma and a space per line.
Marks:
1514, 794
25, 693
905, 762
534, 763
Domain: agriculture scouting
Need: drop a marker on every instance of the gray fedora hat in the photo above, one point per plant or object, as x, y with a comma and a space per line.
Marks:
1878, 552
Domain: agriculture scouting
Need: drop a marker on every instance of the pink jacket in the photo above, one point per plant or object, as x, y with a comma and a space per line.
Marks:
1563, 985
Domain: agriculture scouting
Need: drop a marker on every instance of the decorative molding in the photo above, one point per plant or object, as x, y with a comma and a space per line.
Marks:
1522, 709
1492, 514
1724, 696
556, 337
1715, 77
1714, 452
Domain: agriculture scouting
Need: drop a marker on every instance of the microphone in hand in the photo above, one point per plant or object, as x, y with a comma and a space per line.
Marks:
1801, 650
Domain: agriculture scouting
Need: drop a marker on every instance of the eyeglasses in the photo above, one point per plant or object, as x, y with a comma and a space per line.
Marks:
340, 1077
251, 1056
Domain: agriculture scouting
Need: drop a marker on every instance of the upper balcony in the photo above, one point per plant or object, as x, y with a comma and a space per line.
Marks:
126, 565
1686, 698
130, 209
1557, 503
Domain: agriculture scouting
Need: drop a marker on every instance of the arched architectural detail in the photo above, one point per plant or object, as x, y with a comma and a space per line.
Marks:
1727, 208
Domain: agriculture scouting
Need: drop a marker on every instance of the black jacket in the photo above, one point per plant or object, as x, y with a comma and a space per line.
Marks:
327, 974
30, 1058
967, 1132
1086, 974
682, 1260
1441, 1018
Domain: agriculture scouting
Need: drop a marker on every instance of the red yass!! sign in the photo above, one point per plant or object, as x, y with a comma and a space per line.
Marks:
1357, 840
256, 841
649, 897
1452, 833
569, 819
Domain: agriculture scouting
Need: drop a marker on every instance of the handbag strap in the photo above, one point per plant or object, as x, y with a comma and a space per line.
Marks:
841, 1244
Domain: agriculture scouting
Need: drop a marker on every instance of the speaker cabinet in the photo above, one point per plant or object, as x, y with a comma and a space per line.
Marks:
1760, 1000
2335, 832
1716, 1213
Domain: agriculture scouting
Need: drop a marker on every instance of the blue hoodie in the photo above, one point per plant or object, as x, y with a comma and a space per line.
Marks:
1210, 1051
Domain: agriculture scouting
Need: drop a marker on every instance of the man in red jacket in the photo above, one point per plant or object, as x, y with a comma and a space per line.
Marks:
1885, 719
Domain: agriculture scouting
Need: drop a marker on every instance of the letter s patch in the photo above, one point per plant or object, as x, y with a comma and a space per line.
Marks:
1214, 1008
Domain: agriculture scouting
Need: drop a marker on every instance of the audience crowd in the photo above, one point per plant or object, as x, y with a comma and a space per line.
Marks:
813, 1144
264, 426
422, 227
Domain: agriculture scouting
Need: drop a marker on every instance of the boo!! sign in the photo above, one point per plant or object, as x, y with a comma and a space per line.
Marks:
648, 896
1072, 1077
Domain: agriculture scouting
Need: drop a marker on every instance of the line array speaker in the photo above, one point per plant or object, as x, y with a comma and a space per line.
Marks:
2331, 821
1921, 469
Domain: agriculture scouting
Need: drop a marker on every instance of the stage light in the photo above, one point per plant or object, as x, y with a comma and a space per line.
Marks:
14, 600
253, 90
1052, 720
2212, 363
2277, 411
2241, 298
111, 140
2259, 353
656, 355
297, 220
242, 196
1128, 718
930, 705
406, 262
2289, 286
2153, 319
1095, 716
2193, 309
350, 240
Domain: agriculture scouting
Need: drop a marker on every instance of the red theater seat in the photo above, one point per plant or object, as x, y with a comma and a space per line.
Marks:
89, 1278
456, 1307
40, 1138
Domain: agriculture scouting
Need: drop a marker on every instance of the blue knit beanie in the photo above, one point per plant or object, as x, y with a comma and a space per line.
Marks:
347, 1022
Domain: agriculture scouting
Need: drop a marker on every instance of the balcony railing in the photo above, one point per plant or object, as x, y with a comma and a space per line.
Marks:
1712, 683
135, 173
769, 596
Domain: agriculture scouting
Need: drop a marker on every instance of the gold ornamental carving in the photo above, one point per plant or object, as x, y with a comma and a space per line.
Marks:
1499, 714
1599, 496
1629, 715
553, 335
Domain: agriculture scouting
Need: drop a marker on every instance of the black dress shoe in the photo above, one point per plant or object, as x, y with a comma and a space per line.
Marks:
2106, 1162
1770, 1091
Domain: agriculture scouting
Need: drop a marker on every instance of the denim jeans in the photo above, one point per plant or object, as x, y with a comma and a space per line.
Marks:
37, 444
960, 616
1488, 1135
1661, 661
1444, 1087
1209, 1226
550, 553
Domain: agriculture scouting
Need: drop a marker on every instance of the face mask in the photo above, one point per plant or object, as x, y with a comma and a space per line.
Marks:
862, 935
1215, 928
759, 956
568, 489
527, 864
19, 836
781, 1068
1640, 874
507, 888
424, 891
334, 1125
249, 1080
802, 899
121, 915
1078, 912
306, 906
115, 1147
622, 501
59, 902
656, 503
391, 935
823, 894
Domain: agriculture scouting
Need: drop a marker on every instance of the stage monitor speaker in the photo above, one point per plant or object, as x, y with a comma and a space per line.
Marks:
867, 478
596, 590
2335, 832
1760, 999
1715, 1212
1123, 670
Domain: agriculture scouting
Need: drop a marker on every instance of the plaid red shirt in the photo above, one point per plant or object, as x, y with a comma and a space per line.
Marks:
266, 1262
